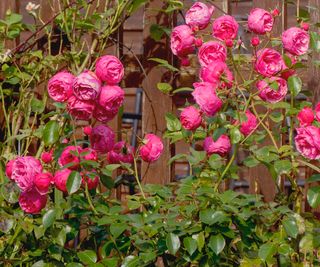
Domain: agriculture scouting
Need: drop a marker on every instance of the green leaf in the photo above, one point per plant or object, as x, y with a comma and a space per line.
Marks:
107, 170
163, 63
291, 227
282, 166
173, 124
190, 244
215, 161
116, 229
107, 181
212, 216
164, 87
313, 178
294, 85
250, 162
182, 89
51, 133
48, 218
313, 196
200, 240
156, 32
217, 243
173, 243
13, 18
37, 105
87, 256
217, 133
73, 182
235, 135
266, 251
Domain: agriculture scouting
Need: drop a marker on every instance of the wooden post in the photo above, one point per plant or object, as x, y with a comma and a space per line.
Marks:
155, 103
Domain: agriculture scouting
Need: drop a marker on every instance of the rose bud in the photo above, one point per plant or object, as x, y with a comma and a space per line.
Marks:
255, 41
260, 21
42, 182
225, 27
272, 95
86, 86
111, 97
217, 73
305, 117
102, 114
109, 69
121, 152
190, 118
24, 169
275, 12
65, 141
70, 156
32, 202
199, 15
269, 62
249, 124
9, 168
47, 157
61, 178
229, 43
80, 109
182, 41
308, 142
198, 42
91, 179
212, 51
87, 130
221, 147
185, 62
102, 138
60, 86
151, 149
295, 41
206, 97
305, 26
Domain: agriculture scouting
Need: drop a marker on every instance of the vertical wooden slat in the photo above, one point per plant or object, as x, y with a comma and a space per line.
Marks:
153, 120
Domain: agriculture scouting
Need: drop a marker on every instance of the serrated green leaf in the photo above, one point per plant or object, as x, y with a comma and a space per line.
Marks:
74, 182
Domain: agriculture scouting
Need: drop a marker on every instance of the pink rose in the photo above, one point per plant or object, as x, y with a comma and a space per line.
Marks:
190, 118
61, 178
212, 51
308, 142
32, 202
269, 62
317, 109
305, 117
272, 95
260, 21
42, 182
111, 97
217, 72
222, 146
80, 109
104, 115
89, 154
60, 86
206, 97
151, 149
109, 69
225, 27
295, 41
255, 41
86, 86
182, 41
91, 179
249, 125
24, 169
47, 157
102, 138
70, 156
121, 152
9, 168
198, 16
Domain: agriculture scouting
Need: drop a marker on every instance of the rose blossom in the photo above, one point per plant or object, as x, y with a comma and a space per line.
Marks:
225, 27
269, 62
222, 146
308, 142
317, 110
182, 41
102, 114
212, 51
198, 16
111, 97
206, 97
102, 138
305, 117
42, 182
80, 109
249, 124
109, 69
91, 179
190, 118
46, 157
272, 95
60, 86
255, 41
217, 72
70, 155
32, 202
121, 152
260, 21
295, 41
24, 169
151, 149
89, 154
9, 168
61, 178
86, 86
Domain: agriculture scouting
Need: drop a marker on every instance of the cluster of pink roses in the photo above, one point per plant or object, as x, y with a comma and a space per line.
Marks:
91, 94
